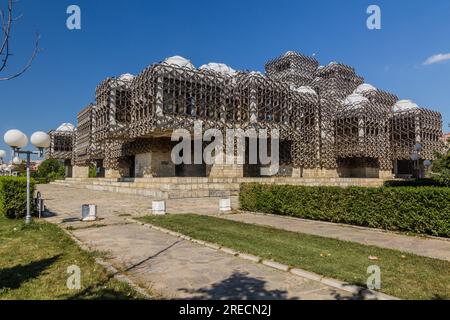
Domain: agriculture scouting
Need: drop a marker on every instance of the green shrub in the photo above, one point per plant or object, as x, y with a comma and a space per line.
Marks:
13, 196
41, 180
92, 172
414, 183
424, 210
441, 168
49, 170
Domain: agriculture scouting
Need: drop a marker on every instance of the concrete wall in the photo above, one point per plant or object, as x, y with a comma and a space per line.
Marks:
161, 162
226, 171
112, 174
315, 173
143, 165
80, 172
359, 172
386, 174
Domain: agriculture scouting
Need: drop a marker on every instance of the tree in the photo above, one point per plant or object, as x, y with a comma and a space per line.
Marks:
50, 170
6, 23
441, 168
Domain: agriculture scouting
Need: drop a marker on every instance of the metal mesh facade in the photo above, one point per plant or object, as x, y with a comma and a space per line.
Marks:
333, 83
293, 67
112, 109
85, 146
410, 127
61, 145
324, 115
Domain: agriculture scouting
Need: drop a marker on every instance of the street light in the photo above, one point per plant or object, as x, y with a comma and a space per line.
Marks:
415, 156
418, 147
427, 164
3, 169
17, 161
17, 140
2, 165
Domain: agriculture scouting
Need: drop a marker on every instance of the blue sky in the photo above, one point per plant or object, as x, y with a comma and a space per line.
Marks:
126, 36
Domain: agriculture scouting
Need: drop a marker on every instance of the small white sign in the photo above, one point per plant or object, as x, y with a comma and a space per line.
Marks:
159, 207
89, 212
225, 205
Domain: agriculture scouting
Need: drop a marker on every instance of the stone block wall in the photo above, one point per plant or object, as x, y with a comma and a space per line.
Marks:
143, 165
80, 172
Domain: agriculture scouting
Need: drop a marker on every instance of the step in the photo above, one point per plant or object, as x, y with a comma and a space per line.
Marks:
158, 185
174, 192
183, 187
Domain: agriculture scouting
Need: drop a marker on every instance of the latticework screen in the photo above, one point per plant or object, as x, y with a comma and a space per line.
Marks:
61, 145
416, 126
85, 144
326, 116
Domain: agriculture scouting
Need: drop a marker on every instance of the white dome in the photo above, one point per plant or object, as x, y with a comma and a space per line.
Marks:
66, 127
179, 61
365, 87
256, 73
304, 89
354, 100
403, 105
218, 67
126, 77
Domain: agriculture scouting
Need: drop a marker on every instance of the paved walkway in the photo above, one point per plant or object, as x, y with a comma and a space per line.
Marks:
172, 267
423, 246
181, 269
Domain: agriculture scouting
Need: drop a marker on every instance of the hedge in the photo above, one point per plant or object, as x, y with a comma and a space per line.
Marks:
13, 196
422, 210
414, 183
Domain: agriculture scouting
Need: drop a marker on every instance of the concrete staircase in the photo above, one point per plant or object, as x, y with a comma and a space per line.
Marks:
179, 188
161, 188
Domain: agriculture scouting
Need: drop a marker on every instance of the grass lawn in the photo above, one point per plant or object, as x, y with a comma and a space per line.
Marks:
403, 275
34, 261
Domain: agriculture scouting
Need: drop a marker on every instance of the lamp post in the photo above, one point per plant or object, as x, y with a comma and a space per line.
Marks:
18, 140
415, 156
427, 165
2, 165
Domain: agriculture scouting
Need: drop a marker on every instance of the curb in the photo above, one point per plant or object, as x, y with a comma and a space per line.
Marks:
369, 294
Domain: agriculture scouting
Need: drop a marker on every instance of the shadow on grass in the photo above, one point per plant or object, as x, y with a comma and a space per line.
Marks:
239, 286
99, 292
13, 278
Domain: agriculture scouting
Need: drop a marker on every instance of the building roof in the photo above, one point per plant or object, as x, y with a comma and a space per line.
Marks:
66, 127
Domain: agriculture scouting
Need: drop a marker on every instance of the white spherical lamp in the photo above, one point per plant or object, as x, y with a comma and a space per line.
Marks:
418, 147
427, 163
17, 161
414, 157
40, 140
16, 138
2, 154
